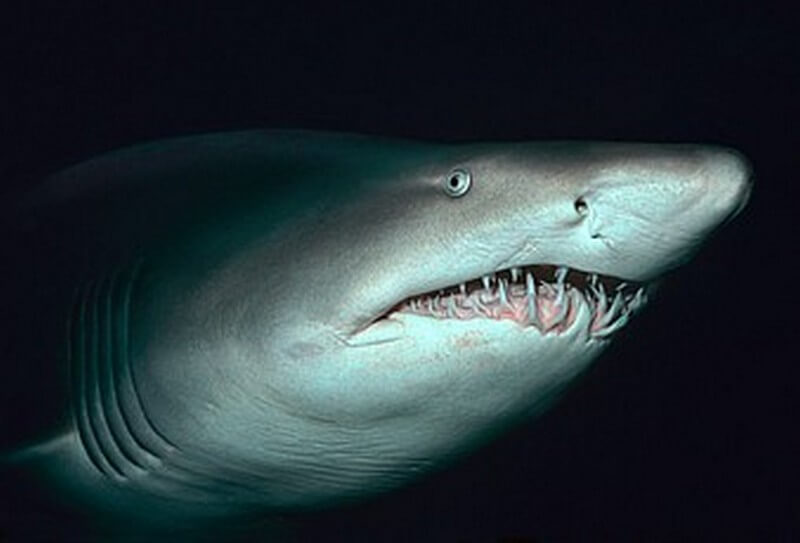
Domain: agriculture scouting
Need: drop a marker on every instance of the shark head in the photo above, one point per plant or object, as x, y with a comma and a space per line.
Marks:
316, 317
441, 295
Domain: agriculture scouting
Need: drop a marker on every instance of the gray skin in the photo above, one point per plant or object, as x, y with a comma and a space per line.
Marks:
211, 316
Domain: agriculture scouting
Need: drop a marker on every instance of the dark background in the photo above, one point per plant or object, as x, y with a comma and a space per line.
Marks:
687, 428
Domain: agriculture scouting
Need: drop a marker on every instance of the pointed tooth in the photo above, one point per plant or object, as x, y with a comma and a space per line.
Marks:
562, 313
463, 289
486, 282
599, 292
515, 274
638, 300
530, 285
605, 332
593, 280
561, 274
618, 304
502, 290
613, 311
589, 296
451, 307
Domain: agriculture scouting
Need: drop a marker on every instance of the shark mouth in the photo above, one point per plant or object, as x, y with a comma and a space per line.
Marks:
544, 297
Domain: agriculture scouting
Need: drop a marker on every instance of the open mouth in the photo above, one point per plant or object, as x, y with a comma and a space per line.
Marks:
544, 297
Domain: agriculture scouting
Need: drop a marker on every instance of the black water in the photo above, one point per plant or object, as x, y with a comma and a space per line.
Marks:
686, 430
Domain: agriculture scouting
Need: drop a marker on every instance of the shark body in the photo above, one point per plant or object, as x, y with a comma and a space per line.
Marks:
263, 321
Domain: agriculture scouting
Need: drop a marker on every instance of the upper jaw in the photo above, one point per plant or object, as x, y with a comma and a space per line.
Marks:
546, 298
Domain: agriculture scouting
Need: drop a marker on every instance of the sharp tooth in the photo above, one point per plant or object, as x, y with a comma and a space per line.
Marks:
463, 288
451, 308
589, 296
593, 280
598, 300
561, 274
600, 293
502, 289
486, 282
613, 311
514, 274
638, 300
530, 286
618, 304
562, 313
605, 332
621, 287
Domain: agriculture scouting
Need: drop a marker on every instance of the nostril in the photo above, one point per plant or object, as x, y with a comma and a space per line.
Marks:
581, 207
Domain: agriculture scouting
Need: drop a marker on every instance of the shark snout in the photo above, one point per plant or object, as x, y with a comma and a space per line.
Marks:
727, 183
653, 212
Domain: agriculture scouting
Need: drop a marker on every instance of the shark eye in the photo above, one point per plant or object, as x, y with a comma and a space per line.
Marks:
581, 207
457, 183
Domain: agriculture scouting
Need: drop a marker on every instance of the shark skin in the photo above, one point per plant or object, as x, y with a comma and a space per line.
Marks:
228, 325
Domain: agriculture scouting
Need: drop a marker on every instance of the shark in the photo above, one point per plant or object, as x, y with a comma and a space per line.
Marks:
209, 327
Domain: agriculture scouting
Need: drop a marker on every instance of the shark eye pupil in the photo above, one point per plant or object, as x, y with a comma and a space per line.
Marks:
458, 183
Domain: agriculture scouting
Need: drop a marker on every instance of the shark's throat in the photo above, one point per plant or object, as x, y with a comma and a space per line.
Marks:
543, 297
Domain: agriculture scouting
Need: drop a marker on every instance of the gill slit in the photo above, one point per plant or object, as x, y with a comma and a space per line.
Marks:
113, 428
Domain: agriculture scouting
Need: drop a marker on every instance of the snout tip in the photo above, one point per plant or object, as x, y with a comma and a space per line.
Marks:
732, 177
